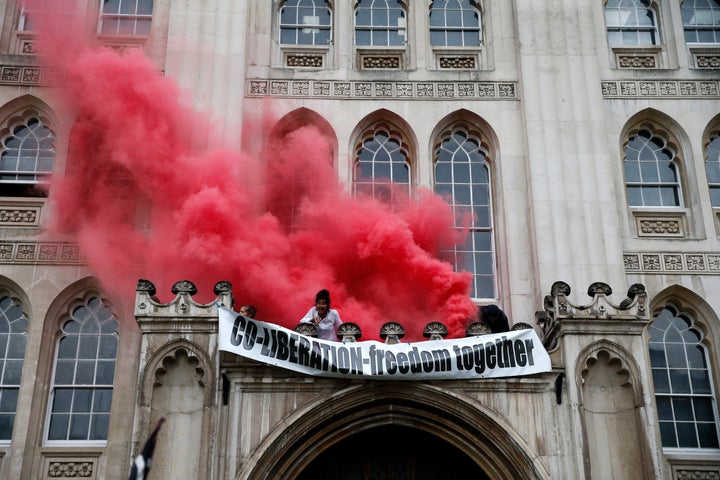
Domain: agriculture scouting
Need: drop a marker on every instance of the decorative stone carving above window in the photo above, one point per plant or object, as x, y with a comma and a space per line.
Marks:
380, 62
660, 225
20, 213
303, 60
672, 263
705, 58
457, 62
637, 58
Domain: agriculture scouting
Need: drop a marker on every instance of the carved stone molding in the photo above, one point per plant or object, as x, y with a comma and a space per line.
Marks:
383, 62
40, 253
24, 75
660, 88
660, 225
20, 216
665, 263
707, 61
637, 61
382, 89
71, 469
304, 60
696, 474
457, 62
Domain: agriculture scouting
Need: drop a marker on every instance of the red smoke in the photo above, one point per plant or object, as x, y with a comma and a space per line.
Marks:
278, 225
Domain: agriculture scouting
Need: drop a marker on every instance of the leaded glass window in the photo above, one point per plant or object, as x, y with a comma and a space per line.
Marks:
462, 177
380, 23
305, 22
28, 153
382, 170
686, 404
651, 172
13, 339
82, 385
125, 17
712, 168
631, 22
455, 23
701, 21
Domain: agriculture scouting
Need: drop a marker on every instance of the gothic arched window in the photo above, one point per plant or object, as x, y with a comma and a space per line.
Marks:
631, 23
84, 372
305, 22
13, 339
686, 404
712, 168
652, 178
701, 20
455, 23
462, 177
28, 154
382, 170
380, 23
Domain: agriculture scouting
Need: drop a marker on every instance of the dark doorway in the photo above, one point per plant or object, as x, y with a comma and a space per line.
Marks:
393, 453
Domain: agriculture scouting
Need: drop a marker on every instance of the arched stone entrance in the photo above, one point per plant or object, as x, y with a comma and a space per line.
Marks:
436, 415
393, 452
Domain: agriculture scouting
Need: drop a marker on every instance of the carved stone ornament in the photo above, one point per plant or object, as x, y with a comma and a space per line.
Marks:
349, 332
392, 332
70, 469
435, 331
521, 326
146, 286
184, 286
599, 288
307, 329
476, 329
221, 287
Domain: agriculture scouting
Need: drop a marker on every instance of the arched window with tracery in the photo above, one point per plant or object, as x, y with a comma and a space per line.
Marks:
631, 23
684, 393
652, 176
305, 22
712, 168
380, 23
701, 20
125, 17
13, 340
455, 23
382, 168
462, 177
83, 375
28, 154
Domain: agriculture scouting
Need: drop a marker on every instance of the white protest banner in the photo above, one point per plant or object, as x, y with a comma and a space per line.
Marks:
506, 354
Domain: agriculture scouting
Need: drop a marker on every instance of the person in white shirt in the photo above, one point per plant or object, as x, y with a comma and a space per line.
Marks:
325, 319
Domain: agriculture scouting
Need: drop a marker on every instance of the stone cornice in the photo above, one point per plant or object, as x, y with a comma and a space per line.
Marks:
385, 90
35, 253
660, 89
664, 263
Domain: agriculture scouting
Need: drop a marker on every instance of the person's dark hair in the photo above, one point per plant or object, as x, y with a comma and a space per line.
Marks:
494, 318
251, 309
323, 295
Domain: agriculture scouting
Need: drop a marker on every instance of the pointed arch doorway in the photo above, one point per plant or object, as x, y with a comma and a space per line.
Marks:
393, 452
424, 426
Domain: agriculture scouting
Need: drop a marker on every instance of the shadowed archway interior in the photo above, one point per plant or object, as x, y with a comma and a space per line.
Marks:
392, 452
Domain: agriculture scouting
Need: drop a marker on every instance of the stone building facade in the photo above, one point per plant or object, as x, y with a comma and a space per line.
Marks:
597, 123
